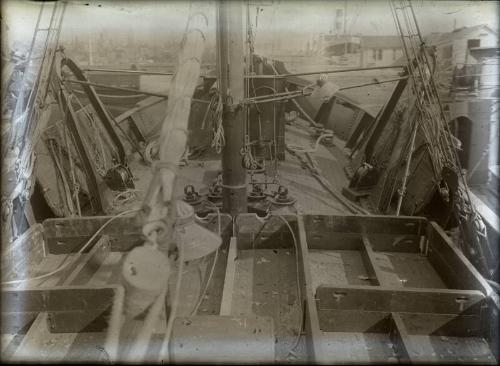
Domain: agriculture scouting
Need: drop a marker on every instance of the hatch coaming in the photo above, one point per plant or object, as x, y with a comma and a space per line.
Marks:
390, 289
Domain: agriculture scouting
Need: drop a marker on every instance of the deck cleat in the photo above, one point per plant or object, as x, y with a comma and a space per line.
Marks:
282, 198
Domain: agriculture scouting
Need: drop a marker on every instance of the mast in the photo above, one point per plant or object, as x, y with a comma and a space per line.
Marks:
231, 67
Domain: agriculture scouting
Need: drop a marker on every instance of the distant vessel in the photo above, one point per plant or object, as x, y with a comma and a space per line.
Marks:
342, 50
337, 46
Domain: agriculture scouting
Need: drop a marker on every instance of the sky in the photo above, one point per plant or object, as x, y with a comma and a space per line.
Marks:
278, 22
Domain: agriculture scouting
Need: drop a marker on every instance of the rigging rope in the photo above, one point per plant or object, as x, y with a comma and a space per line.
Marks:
218, 139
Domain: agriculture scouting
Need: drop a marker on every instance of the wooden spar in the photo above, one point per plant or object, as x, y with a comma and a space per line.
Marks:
407, 168
159, 200
173, 135
342, 70
231, 68
137, 91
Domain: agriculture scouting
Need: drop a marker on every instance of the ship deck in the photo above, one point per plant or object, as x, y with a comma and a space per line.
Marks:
311, 196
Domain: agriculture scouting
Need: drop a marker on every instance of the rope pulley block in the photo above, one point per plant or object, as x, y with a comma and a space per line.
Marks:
282, 198
119, 178
191, 196
257, 167
215, 190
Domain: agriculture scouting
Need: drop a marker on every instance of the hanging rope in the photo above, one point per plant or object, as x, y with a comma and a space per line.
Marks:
218, 139
312, 150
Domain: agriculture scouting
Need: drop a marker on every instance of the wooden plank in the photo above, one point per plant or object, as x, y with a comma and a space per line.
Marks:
89, 320
314, 342
113, 334
365, 121
453, 267
16, 322
24, 253
439, 349
333, 240
410, 300
68, 310
39, 344
12, 342
372, 224
489, 216
358, 348
399, 337
206, 338
451, 325
339, 267
380, 266
5, 341
85, 268
354, 321
60, 298
227, 292
266, 285
383, 118
253, 232
70, 234
110, 271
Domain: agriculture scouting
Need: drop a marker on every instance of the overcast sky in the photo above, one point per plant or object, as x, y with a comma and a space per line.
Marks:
283, 18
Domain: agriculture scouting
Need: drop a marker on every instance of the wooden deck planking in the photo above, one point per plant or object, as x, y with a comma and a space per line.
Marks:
85, 267
110, 270
381, 267
5, 341
265, 285
414, 270
40, 345
337, 267
357, 348
227, 293
439, 349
